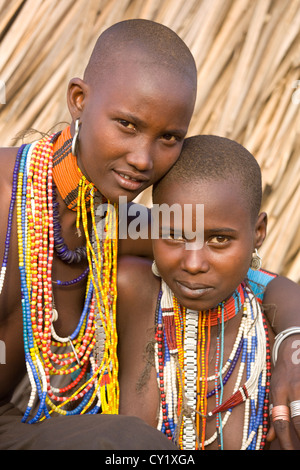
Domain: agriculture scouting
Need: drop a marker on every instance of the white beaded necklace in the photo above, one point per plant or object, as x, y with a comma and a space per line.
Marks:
252, 333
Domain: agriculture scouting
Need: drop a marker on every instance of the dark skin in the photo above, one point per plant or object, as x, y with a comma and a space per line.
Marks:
285, 381
158, 138
72, 298
138, 384
125, 157
137, 295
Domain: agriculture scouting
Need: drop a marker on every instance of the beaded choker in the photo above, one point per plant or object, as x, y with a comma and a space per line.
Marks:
92, 375
66, 173
230, 306
182, 346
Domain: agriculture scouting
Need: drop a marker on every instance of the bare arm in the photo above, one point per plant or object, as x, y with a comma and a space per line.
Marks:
285, 383
137, 295
285, 295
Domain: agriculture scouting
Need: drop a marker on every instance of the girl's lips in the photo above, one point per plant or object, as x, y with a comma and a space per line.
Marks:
129, 182
193, 291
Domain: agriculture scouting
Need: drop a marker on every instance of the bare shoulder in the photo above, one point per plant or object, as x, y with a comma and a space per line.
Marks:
138, 291
282, 298
282, 290
135, 276
134, 265
137, 287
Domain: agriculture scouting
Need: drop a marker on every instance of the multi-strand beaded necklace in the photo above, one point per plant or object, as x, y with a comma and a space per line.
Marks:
182, 349
92, 379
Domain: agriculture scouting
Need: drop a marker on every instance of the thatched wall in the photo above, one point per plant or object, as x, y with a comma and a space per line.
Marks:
248, 57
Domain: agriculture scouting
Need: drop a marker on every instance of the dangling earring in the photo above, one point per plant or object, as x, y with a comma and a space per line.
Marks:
256, 261
75, 138
155, 270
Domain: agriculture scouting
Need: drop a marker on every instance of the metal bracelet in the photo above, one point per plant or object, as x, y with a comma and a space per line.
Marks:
281, 337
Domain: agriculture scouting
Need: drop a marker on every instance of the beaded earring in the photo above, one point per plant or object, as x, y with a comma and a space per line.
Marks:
75, 138
256, 261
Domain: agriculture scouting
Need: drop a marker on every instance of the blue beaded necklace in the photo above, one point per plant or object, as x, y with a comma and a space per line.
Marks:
246, 347
83, 338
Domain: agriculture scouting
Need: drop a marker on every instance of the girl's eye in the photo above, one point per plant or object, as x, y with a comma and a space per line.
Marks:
170, 137
126, 124
219, 239
174, 236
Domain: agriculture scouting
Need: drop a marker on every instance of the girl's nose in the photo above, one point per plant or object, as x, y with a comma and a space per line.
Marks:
195, 260
141, 156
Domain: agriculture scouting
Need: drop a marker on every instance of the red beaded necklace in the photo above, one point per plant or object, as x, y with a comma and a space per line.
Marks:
231, 306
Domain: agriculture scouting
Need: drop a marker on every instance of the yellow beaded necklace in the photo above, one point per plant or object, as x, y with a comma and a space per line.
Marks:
95, 383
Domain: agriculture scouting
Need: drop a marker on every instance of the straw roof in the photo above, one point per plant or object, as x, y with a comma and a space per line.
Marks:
248, 58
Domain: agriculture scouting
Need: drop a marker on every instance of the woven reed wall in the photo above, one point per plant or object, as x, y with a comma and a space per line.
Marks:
248, 58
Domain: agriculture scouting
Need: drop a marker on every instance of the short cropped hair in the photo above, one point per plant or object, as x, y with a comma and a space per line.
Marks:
209, 157
158, 44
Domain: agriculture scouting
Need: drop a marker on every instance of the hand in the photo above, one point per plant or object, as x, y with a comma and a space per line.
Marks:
285, 388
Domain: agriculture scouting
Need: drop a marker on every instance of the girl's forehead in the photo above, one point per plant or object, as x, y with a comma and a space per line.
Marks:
182, 191
219, 197
209, 206
146, 94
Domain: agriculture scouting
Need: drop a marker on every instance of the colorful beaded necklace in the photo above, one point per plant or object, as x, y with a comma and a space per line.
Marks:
92, 382
66, 173
182, 346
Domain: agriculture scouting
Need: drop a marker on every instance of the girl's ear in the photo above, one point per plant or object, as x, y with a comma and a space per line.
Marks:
260, 229
76, 94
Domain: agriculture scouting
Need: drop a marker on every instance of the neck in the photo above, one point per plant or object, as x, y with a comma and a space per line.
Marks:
225, 310
229, 308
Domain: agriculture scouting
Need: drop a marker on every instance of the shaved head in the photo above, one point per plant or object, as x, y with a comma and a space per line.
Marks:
145, 43
210, 157
134, 106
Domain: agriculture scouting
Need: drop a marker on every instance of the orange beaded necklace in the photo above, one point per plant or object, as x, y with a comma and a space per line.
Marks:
231, 307
66, 173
